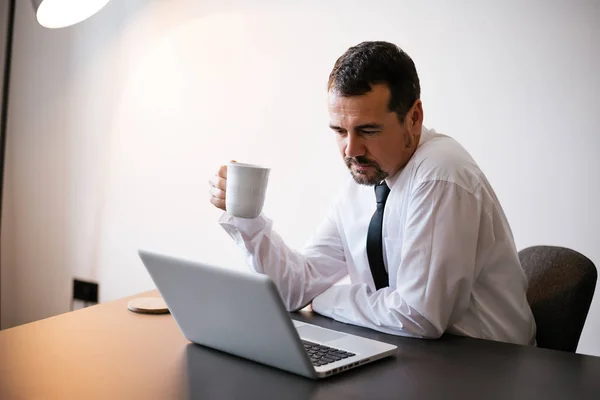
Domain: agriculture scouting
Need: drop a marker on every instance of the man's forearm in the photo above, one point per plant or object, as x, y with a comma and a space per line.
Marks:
299, 276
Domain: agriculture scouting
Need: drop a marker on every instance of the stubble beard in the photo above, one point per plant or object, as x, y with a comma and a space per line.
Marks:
370, 179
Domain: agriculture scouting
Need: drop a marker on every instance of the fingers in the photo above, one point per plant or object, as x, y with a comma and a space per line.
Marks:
218, 182
216, 192
219, 203
223, 170
216, 195
218, 186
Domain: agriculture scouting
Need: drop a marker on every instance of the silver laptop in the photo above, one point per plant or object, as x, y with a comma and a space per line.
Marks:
241, 313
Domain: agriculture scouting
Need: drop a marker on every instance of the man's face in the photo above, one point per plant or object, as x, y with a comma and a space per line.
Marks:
371, 138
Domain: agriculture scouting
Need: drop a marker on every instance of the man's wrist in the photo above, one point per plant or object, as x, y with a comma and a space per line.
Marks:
248, 226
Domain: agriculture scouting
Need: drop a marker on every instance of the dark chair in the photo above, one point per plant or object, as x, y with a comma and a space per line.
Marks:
561, 288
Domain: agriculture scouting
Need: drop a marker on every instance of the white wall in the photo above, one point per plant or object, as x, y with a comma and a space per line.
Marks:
117, 124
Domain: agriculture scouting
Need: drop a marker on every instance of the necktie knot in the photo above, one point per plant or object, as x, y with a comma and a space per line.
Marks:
381, 193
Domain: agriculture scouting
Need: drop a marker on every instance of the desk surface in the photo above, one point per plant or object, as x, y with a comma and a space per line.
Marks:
108, 352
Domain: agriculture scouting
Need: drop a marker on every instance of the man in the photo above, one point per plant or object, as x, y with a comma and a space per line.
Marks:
418, 229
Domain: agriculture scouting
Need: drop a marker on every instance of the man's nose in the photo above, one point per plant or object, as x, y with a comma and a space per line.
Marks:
354, 146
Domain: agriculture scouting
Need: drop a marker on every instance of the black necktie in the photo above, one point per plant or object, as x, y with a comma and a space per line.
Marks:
374, 240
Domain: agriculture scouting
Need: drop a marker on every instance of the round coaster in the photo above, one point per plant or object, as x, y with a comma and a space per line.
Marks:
148, 305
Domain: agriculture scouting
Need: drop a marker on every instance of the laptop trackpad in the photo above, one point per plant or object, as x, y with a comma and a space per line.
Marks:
316, 334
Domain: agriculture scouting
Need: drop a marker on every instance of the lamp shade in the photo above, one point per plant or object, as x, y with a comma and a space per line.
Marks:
61, 13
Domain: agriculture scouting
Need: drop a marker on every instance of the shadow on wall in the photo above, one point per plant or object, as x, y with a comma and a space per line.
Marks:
190, 103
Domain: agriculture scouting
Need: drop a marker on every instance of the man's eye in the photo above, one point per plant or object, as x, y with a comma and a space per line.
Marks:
370, 133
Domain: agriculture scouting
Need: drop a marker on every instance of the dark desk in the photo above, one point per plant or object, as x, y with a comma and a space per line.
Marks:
109, 352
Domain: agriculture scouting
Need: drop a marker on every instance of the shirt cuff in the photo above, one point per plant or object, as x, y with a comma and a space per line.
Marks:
325, 302
244, 226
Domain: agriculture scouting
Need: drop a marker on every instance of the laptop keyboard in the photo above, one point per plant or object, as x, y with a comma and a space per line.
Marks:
322, 355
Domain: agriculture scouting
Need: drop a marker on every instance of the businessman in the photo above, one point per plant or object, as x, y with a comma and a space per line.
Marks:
418, 228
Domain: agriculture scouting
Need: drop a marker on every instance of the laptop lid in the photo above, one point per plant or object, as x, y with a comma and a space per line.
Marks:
237, 312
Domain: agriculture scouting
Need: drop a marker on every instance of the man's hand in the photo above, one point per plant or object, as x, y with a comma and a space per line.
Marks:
218, 186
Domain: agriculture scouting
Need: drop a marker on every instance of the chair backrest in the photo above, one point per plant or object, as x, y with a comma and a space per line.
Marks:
561, 288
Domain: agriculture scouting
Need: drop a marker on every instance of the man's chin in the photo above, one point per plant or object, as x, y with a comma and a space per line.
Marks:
364, 179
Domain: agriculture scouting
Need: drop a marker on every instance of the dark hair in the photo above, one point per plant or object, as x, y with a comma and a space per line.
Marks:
370, 63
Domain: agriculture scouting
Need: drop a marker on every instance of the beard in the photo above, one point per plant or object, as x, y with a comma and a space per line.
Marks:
371, 177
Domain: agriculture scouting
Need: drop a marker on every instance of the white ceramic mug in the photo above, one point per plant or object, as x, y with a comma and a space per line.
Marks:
246, 189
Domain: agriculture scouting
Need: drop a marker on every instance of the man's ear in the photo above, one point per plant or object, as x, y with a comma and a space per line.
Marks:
414, 118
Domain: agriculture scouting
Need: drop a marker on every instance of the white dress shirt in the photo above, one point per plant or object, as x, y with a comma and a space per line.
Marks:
448, 249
